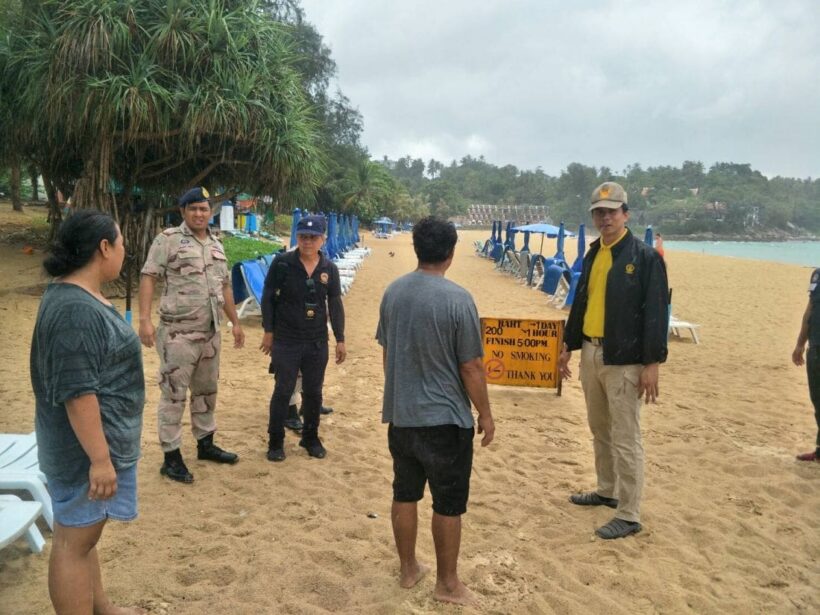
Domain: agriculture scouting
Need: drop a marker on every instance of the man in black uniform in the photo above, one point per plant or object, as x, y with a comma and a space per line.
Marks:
302, 289
810, 332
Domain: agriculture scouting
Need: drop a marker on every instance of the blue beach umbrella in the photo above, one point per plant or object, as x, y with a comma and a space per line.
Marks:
297, 214
545, 230
582, 248
526, 247
648, 237
550, 230
559, 253
330, 244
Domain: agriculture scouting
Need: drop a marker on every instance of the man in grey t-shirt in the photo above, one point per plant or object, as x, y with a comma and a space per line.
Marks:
431, 342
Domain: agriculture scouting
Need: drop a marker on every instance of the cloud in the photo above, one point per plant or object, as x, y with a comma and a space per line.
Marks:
545, 83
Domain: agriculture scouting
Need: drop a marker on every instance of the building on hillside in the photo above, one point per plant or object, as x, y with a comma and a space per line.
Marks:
483, 215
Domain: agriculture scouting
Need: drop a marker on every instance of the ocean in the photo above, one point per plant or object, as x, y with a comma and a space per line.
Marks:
805, 253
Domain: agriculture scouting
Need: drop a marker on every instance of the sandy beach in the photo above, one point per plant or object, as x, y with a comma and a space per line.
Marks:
730, 518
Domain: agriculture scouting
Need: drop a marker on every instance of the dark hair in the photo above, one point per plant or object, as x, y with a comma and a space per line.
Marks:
434, 239
624, 207
78, 238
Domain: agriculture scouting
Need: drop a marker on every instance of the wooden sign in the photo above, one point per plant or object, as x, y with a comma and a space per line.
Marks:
520, 352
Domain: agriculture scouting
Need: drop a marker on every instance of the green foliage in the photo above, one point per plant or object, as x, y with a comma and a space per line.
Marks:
730, 198
367, 189
241, 248
155, 96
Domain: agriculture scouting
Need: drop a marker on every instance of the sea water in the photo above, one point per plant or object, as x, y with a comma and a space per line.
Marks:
794, 252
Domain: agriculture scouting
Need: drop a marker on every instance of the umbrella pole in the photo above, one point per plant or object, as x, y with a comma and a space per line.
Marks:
541, 249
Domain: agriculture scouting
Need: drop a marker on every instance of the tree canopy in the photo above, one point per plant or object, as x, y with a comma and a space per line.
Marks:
159, 95
727, 198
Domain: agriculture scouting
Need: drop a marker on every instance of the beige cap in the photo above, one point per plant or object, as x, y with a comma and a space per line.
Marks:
608, 195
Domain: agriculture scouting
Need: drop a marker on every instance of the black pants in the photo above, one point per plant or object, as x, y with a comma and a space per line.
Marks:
287, 360
813, 369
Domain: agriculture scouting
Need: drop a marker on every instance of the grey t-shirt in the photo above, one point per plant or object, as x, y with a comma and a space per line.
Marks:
429, 326
82, 346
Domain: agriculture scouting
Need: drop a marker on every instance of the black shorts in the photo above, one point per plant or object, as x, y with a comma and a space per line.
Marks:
442, 455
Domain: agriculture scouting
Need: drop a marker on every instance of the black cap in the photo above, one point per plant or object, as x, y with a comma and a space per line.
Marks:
311, 225
194, 195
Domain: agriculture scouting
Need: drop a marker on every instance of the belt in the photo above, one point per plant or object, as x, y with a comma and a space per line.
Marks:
595, 341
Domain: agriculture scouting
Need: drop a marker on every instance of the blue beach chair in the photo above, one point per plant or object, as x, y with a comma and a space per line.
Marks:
254, 281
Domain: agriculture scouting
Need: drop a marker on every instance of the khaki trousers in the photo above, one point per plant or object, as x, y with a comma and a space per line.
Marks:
614, 415
187, 360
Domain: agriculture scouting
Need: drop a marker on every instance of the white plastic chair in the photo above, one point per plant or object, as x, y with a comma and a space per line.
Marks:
676, 326
20, 470
18, 518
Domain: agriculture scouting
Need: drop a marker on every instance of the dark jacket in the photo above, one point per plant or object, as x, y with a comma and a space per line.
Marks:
636, 317
814, 317
287, 298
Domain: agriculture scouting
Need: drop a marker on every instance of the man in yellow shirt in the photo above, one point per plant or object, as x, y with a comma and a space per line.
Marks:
619, 320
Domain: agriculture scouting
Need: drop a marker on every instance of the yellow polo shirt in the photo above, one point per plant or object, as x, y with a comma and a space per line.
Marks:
596, 289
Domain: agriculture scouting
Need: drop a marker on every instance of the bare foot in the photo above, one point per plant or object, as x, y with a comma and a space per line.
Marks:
122, 610
458, 594
410, 577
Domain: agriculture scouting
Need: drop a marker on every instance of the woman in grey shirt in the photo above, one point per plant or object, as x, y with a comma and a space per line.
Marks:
86, 372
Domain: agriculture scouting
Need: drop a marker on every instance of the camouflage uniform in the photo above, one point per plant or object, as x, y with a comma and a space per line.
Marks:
188, 338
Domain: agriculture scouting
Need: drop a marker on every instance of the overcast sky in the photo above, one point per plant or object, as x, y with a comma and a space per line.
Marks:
542, 83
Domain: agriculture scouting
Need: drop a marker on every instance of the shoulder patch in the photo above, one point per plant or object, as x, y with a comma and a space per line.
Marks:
174, 230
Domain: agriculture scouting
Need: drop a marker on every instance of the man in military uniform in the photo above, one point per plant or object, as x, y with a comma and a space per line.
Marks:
194, 268
810, 332
302, 289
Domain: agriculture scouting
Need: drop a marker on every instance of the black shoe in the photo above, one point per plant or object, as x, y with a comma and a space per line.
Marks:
618, 528
314, 448
207, 450
175, 469
593, 499
322, 410
276, 452
293, 422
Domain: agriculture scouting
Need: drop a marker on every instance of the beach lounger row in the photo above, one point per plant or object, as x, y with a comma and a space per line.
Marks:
248, 278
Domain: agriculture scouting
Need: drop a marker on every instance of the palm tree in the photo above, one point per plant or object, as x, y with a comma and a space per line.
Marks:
156, 96
368, 189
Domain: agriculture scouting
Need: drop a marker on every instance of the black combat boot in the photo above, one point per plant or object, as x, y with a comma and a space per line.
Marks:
175, 469
311, 442
322, 410
314, 447
276, 450
293, 421
206, 449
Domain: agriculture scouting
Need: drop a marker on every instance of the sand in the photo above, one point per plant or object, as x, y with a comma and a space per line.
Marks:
729, 516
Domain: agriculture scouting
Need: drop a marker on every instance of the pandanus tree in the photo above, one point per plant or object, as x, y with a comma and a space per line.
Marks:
9, 152
124, 104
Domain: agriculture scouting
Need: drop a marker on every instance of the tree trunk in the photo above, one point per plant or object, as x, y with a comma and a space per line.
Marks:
35, 188
55, 213
16, 203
